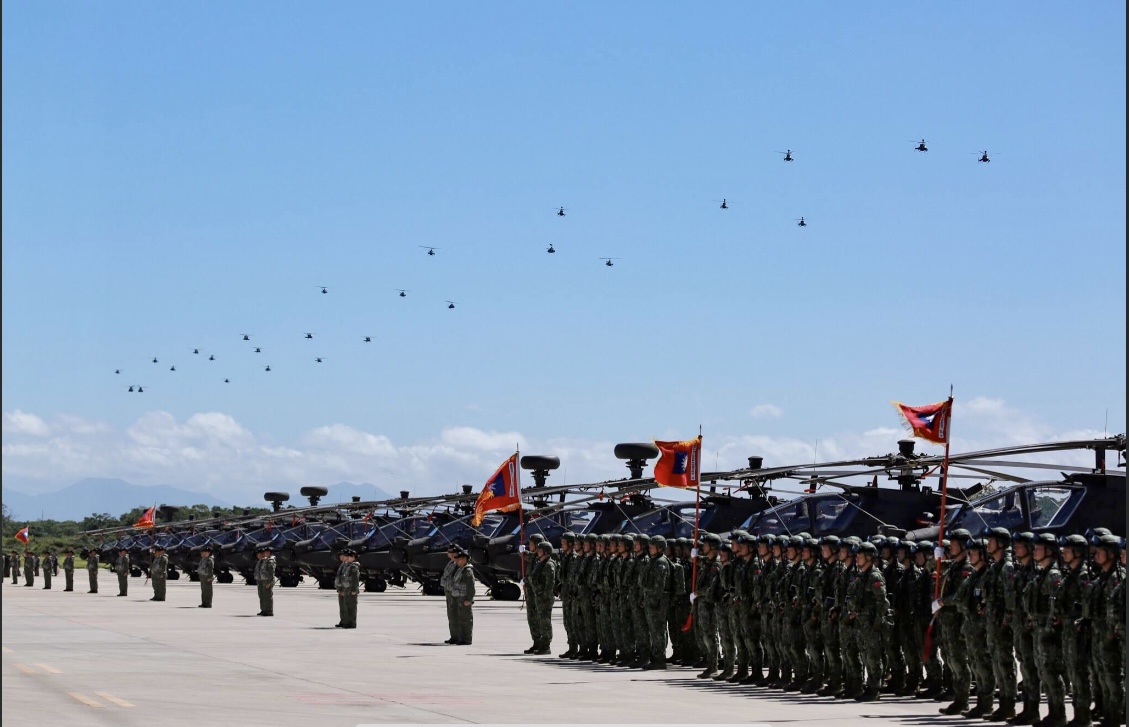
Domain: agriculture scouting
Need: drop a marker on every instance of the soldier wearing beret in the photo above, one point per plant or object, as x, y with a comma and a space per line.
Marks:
159, 572
92, 569
206, 572
121, 568
348, 585
264, 579
462, 588
68, 568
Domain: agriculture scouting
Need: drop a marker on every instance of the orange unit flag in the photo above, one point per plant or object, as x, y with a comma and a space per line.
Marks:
679, 463
501, 492
929, 422
146, 520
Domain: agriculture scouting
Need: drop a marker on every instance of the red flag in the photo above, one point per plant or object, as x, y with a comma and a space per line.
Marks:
679, 463
146, 520
500, 492
929, 422
23, 536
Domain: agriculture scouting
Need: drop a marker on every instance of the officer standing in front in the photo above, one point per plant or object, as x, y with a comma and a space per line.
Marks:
92, 569
264, 580
159, 572
48, 569
445, 584
68, 568
543, 575
121, 567
462, 588
206, 572
349, 587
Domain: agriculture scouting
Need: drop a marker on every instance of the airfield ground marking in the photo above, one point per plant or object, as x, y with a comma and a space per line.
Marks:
25, 669
47, 668
85, 699
7, 650
116, 700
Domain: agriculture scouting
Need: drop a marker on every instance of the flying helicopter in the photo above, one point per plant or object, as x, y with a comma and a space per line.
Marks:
367, 339
451, 304
129, 390
561, 212
787, 155
211, 357
196, 350
246, 336
983, 156
403, 293
258, 350
154, 359
430, 250
324, 289
920, 145
309, 336
266, 368
318, 360
227, 381
724, 203
551, 249
117, 371
801, 223
608, 261
172, 368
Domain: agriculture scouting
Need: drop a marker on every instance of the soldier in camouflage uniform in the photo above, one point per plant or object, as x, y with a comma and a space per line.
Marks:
159, 573
829, 576
901, 597
953, 647
92, 569
601, 600
529, 556
811, 606
726, 641
1076, 647
1105, 610
704, 599
121, 568
747, 614
612, 583
47, 571
656, 600
544, 577
15, 565
568, 597
587, 616
737, 600
762, 594
264, 579
29, 569
791, 596
68, 568
628, 628
1044, 607
462, 589
778, 586
970, 600
1023, 629
636, 601
922, 600
348, 585
206, 572
677, 595
999, 602
892, 571
848, 629
866, 606
445, 583
691, 648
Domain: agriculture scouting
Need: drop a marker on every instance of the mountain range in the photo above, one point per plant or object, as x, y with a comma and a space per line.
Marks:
115, 496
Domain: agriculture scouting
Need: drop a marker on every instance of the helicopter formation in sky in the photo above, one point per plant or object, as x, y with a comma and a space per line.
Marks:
561, 212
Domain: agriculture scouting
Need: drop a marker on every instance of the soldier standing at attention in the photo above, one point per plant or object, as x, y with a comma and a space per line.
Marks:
348, 584
636, 602
47, 571
29, 569
811, 603
206, 572
264, 580
92, 569
703, 599
445, 584
463, 590
339, 584
1076, 645
121, 567
1106, 614
656, 601
544, 577
866, 607
159, 572
829, 578
1023, 629
528, 553
726, 643
14, 564
68, 568
971, 602
568, 601
1045, 611
953, 645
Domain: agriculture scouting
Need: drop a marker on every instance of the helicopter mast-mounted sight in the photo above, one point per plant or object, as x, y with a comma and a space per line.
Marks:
276, 499
314, 494
636, 455
540, 466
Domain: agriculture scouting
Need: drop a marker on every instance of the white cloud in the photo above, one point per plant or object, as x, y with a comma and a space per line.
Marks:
211, 451
766, 410
18, 422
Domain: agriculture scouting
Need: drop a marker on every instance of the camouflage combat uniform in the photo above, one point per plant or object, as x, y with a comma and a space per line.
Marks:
264, 581
159, 573
206, 572
68, 572
92, 571
121, 567
656, 599
866, 608
462, 589
543, 574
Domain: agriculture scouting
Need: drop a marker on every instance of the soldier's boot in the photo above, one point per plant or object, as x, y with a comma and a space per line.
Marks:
1055, 718
724, 675
929, 690
960, 705
896, 684
531, 649
983, 707
741, 674
782, 681
833, 687
852, 689
1004, 712
813, 686
869, 695
709, 673
604, 656
768, 677
1082, 718
659, 664
909, 689
797, 683
568, 654
755, 677
1028, 715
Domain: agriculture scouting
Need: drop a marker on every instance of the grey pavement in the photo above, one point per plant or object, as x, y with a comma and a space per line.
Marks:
78, 658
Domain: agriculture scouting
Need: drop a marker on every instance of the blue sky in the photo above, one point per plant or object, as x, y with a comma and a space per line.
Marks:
176, 176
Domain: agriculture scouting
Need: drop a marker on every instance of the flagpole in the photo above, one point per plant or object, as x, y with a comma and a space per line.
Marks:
697, 513
940, 524
520, 521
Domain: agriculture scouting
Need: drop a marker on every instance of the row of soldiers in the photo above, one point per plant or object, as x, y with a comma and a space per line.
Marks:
31, 566
852, 619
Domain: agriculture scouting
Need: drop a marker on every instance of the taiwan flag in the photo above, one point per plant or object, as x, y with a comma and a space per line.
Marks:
929, 422
679, 463
22, 536
501, 492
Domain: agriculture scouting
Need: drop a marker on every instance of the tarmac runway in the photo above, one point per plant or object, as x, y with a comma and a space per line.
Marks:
77, 659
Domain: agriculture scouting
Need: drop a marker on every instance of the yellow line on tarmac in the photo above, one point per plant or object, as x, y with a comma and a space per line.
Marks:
85, 699
7, 650
48, 669
111, 698
26, 669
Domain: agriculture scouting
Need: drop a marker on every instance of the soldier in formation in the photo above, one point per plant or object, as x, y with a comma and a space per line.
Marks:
68, 568
48, 570
348, 585
159, 572
462, 589
121, 567
206, 572
29, 569
92, 569
542, 580
14, 565
264, 579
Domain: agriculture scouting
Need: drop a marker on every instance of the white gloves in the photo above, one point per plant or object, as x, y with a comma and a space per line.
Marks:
521, 548
936, 605
521, 583
939, 553
693, 552
693, 597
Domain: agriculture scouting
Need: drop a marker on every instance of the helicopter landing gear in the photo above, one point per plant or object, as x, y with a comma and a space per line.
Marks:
376, 585
432, 588
135, 572
226, 577
289, 581
398, 579
325, 584
506, 591
174, 575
